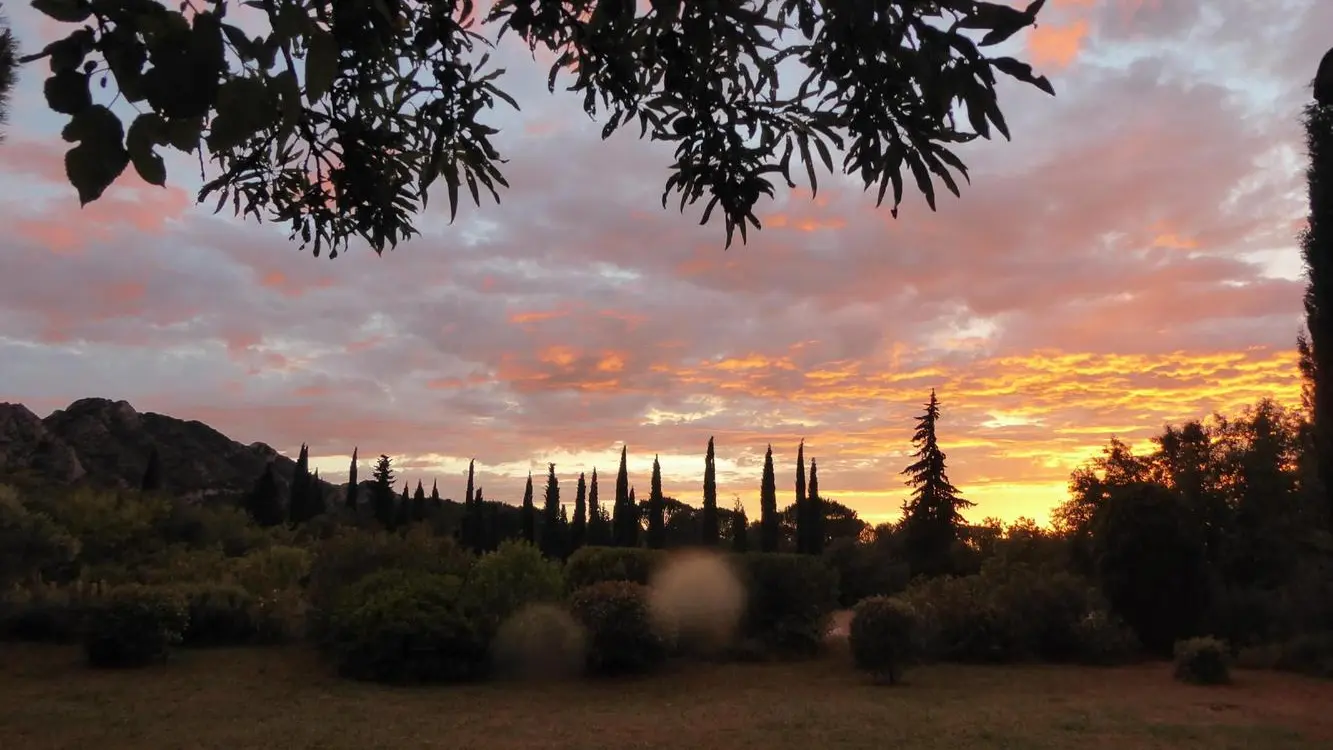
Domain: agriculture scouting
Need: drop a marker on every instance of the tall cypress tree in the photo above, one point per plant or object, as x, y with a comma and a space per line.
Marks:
578, 531
435, 494
740, 541
769, 529
528, 515
624, 517
1317, 252
933, 521
297, 504
314, 504
814, 514
802, 505
382, 492
471, 526
488, 536
419, 503
599, 529
635, 516
708, 521
553, 546
264, 504
152, 473
353, 490
656, 509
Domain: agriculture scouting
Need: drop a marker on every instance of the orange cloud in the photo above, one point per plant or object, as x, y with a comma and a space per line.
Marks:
1057, 46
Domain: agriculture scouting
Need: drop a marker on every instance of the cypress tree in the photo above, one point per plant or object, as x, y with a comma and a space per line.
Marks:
528, 515
419, 503
599, 529
488, 537
656, 509
264, 504
814, 515
471, 525
803, 520
1316, 347
152, 473
578, 532
552, 544
635, 516
933, 522
708, 520
769, 529
314, 504
624, 517
382, 491
435, 494
297, 510
739, 528
562, 524
353, 490
403, 513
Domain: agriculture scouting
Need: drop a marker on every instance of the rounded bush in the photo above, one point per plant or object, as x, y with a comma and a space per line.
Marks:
220, 615
504, 581
135, 625
405, 626
540, 641
622, 637
1103, 639
1202, 661
882, 636
790, 599
589, 565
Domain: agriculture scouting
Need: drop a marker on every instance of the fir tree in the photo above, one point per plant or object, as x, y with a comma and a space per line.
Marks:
382, 491
297, 510
624, 516
528, 515
739, 528
1316, 346
599, 526
152, 473
552, 543
403, 513
803, 521
769, 529
708, 521
814, 514
264, 503
932, 521
353, 490
419, 503
578, 531
656, 509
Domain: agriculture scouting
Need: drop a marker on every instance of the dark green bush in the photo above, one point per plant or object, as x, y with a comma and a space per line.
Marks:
1104, 640
405, 626
961, 621
503, 581
1309, 654
135, 625
220, 615
47, 613
789, 601
622, 637
589, 565
883, 636
1202, 661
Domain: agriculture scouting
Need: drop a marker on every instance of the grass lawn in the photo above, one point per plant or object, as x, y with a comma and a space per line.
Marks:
283, 699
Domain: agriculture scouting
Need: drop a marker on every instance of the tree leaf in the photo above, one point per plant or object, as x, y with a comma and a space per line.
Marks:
1023, 72
67, 92
184, 133
65, 11
100, 157
321, 64
146, 132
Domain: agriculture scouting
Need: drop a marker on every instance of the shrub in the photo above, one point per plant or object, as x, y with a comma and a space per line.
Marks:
882, 636
589, 565
279, 615
622, 637
541, 641
789, 601
1104, 640
30, 541
47, 613
961, 621
220, 615
277, 568
1309, 654
1202, 661
405, 626
135, 625
503, 581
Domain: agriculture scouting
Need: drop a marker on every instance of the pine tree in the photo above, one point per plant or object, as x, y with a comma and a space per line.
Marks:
708, 521
739, 528
353, 490
814, 514
552, 543
403, 512
656, 509
578, 531
802, 505
769, 529
471, 524
599, 526
624, 517
528, 515
264, 503
152, 473
297, 511
419, 503
932, 520
382, 491
1317, 252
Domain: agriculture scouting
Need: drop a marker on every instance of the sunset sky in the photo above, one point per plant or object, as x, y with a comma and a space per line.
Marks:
1128, 260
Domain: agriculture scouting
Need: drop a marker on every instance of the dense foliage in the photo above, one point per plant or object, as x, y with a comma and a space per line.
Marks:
134, 626
883, 636
1202, 661
622, 636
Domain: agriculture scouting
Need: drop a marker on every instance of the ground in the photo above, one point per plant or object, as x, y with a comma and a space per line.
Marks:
283, 698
